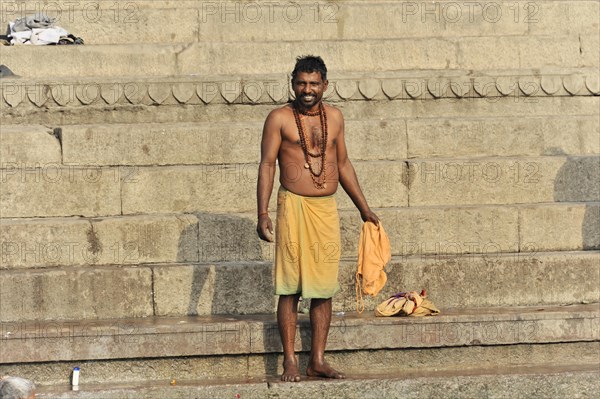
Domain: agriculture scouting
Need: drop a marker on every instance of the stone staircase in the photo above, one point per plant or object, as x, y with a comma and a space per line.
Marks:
128, 196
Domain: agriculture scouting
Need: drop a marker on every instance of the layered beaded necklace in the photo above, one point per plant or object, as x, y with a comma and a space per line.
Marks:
318, 177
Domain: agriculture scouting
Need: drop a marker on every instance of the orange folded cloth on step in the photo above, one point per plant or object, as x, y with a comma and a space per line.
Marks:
374, 253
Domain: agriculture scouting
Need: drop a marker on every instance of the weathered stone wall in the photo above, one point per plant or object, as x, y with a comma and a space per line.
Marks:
128, 165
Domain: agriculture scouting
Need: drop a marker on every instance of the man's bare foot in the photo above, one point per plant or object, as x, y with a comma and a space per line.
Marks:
290, 371
323, 370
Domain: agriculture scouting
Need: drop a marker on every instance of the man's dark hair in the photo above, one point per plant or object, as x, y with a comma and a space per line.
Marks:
310, 63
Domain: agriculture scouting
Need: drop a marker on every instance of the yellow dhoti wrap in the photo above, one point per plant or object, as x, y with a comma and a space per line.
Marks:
307, 251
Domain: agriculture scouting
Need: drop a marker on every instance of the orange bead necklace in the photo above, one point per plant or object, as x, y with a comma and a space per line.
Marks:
318, 177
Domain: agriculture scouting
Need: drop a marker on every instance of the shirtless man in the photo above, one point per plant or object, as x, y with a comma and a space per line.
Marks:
306, 137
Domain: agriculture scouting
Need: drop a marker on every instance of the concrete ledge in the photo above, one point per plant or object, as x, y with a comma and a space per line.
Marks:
190, 336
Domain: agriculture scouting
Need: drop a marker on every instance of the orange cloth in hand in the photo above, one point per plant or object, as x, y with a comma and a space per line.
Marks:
374, 253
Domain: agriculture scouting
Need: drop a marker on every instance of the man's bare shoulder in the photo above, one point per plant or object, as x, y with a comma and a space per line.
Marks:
281, 112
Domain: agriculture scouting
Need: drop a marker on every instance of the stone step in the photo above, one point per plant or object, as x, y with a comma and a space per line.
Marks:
210, 143
427, 231
274, 57
47, 242
139, 289
210, 237
457, 182
220, 143
157, 337
495, 382
266, 366
524, 180
69, 189
229, 21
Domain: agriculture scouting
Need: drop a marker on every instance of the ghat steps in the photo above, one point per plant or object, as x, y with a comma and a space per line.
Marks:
126, 200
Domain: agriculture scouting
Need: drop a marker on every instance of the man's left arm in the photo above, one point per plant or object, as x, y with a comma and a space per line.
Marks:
348, 178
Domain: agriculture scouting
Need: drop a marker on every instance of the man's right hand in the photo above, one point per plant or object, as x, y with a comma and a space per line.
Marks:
264, 228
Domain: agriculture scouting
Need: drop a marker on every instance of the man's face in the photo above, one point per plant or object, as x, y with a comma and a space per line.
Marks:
309, 88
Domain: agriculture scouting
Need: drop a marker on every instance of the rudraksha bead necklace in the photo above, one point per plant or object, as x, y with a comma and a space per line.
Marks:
318, 177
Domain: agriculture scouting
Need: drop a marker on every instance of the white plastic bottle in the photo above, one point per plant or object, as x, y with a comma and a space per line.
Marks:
75, 377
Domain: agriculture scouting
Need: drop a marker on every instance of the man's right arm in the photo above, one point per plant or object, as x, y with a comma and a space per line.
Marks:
269, 149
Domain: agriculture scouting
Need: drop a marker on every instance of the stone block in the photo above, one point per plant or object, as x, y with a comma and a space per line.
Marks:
523, 52
185, 189
439, 230
453, 327
352, 21
232, 188
217, 58
382, 183
146, 239
96, 61
59, 190
490, 180
131, 22
132, 370
28, 146
31, 243
343, 56
162, 144
383, 139
212, 289
62, 294
514, 106
209, 143
388, 361
589, 48
449, 137
232, 237
560, 227
476, 280
578, 179
561, 17
148, 337
412, 231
